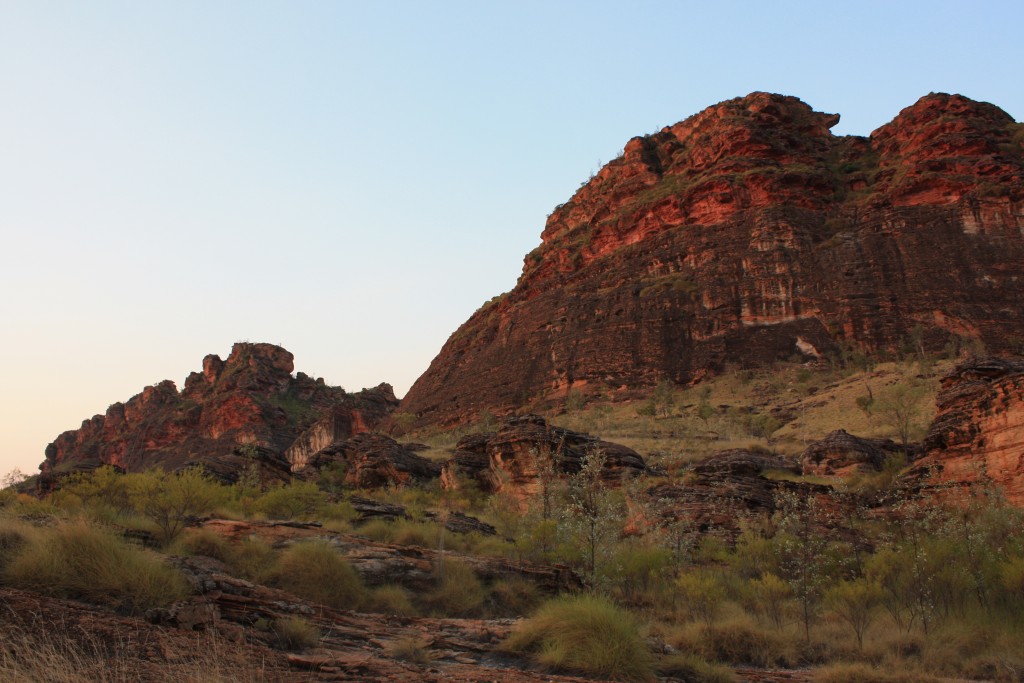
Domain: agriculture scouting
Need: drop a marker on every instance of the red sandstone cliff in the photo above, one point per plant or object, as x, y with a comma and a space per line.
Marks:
977, 438
248, 406
748, 233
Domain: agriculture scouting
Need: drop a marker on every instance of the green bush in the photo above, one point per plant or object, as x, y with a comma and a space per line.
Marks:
315, 571
585, 634
172, 500
297, 500
701, 595
76, 561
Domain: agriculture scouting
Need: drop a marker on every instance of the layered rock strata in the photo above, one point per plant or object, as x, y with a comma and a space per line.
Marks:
514, 458
246, 409
749, 233
842, 454
977, 438
375, 460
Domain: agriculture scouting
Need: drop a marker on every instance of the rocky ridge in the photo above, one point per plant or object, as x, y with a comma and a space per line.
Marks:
246, 409
749, 233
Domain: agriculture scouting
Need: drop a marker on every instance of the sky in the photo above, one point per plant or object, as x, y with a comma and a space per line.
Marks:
351, 180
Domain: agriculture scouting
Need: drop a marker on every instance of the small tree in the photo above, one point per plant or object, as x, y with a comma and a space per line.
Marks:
701, 595
12, 478
802, 547
593, 513
900, 408
665, 397
763, 425
172, 500
705, 410
855, 602
771, 594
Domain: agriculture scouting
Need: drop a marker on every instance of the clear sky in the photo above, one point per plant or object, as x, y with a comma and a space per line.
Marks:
351, 180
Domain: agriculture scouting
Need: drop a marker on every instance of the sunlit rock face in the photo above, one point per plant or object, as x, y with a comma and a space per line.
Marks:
976, 442
517, 457
246, 409
749, 233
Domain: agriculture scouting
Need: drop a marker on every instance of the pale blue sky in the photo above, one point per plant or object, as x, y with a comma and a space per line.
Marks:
352, 180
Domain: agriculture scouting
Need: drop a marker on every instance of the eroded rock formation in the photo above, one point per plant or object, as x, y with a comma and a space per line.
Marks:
748, 233
248, 408
375, 460
842, 454
512, 458
723, 489
977, 438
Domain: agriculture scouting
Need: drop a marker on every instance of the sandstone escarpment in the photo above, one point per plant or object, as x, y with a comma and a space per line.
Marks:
248, 408
750, 233
977, 438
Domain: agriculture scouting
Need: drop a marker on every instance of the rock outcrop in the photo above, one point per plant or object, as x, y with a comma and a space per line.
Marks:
749, 233
246, 409
375, 460
841, 454
717, 493
512, 458
977, 437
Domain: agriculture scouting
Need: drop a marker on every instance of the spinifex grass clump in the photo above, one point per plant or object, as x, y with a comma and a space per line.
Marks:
586, 634
317, 572
78, 561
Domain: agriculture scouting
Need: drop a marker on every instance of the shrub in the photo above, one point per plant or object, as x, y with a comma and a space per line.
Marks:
297, 500
639, 569
459, 592
586, 634
737, 641
316, 571
253, 559
295, 633
693, 669
864, 673
701, 595
390, 599
206, 543
76, 561
14, 535
412, 650
172, 500
513, 597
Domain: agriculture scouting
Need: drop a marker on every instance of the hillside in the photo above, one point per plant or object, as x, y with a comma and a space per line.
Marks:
746, 234
248, 407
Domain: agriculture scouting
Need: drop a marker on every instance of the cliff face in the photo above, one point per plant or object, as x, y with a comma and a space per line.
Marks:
749, 233
250, 401
977, 438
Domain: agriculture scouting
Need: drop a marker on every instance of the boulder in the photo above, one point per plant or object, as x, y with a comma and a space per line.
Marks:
842, 454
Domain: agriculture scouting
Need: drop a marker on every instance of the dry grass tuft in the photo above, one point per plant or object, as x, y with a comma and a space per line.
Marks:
316, 571
586, 634
86, 563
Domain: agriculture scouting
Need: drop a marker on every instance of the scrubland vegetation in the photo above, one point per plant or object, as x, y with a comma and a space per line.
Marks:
855, 579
